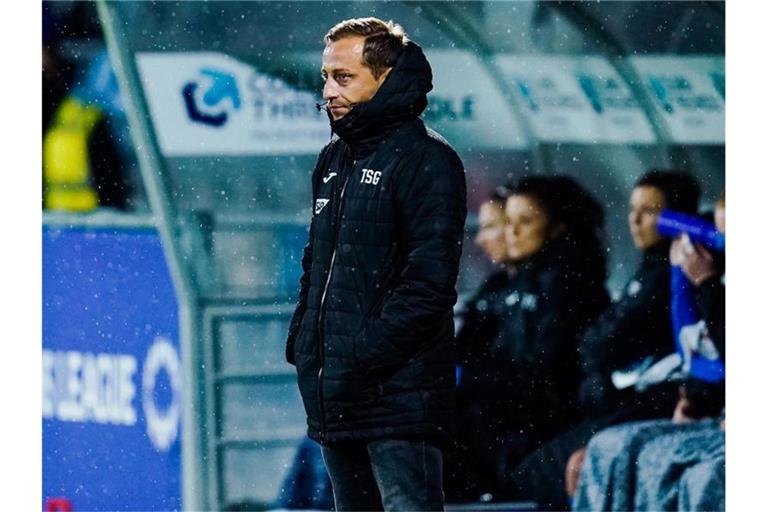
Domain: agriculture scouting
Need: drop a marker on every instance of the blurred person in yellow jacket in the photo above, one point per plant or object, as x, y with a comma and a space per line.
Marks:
85, 146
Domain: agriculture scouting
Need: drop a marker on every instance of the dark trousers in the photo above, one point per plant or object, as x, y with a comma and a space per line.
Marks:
385, 475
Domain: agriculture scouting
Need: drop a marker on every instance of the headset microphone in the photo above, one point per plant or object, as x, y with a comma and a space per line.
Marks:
323, 105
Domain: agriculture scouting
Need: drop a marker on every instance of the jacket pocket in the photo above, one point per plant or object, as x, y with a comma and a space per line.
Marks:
290, 347
299, 349
371, 315
370, 354
378, 305
386, 284
356, 345
290, 353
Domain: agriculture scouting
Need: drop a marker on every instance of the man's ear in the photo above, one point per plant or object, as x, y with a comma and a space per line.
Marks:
383, 76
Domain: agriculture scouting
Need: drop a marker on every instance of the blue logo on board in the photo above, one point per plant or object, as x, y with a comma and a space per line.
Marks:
220, 87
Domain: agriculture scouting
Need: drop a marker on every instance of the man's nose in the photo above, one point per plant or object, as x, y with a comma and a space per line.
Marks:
329, 90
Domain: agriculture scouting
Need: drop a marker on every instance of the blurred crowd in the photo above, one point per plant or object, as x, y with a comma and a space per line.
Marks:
566, 398
571, 400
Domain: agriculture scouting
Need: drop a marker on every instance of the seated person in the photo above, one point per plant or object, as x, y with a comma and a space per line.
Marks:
640, 465
704, 273
483, 311
698, 317
638, 329
523, 381
635, 327
482, 323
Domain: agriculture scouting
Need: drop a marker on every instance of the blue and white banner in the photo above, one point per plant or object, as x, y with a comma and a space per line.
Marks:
579, 99
208, 103
689, 94
111, 372
470, 112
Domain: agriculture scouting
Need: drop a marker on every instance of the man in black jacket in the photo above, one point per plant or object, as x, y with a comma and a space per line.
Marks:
372, 335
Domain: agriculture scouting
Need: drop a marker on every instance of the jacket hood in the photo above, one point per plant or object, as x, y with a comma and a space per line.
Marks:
402, 97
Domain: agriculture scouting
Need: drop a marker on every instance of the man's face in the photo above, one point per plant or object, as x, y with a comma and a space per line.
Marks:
347, 80
490, 235
645, 204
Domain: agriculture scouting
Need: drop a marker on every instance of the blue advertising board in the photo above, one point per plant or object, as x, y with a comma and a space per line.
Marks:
111, 372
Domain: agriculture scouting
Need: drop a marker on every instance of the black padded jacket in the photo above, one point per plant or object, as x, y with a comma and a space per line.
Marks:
637, 326
372, 336
528, 371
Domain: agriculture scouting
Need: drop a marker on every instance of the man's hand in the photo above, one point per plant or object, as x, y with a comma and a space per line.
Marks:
677, 252
697, 263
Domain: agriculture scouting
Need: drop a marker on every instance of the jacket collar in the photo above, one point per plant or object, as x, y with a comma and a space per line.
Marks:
659, 253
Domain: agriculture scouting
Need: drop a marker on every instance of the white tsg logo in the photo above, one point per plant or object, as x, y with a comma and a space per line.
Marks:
370, 177
162, 426
320, 204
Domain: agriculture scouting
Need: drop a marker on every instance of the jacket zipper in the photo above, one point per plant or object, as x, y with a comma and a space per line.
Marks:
321, 314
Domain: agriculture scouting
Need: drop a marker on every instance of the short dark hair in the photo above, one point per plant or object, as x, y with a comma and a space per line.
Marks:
563, 198
571, 206
680, 189
498, 196
384, 41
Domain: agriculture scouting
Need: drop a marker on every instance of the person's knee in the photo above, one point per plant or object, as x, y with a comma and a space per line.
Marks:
573, 470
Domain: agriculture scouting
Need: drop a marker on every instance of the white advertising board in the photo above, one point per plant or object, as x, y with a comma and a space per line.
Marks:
577, 99
466, 107
689, 94
208, 103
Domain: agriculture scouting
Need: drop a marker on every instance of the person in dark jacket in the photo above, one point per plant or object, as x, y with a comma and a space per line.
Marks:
703, 394
705, 270
523, 381
372, 336
642, 461
483, 311
482, 321
636, 327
